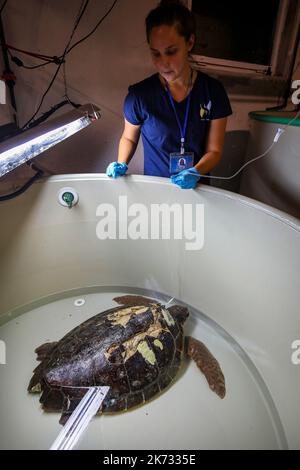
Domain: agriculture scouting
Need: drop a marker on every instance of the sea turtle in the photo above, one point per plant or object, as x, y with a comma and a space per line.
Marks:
136, 349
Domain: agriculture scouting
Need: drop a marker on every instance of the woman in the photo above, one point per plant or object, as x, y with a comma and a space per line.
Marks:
181, 113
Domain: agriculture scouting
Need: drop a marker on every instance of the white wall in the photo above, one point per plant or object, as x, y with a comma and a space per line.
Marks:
98, 71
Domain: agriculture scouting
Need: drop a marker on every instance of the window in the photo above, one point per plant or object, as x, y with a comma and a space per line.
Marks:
253, 36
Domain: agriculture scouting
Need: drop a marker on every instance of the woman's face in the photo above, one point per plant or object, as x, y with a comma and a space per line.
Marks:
169, 51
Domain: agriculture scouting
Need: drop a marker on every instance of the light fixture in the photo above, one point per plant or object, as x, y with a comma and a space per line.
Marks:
31, 143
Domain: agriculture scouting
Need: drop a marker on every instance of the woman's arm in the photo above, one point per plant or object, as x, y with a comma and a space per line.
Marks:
128, 142
214, 146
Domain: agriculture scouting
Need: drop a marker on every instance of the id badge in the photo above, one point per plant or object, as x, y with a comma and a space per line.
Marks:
180, 161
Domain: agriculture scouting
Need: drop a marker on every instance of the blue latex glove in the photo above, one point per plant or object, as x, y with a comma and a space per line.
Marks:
186, 179
116, 169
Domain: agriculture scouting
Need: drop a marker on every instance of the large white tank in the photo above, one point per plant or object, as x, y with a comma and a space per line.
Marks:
242, 288
274, 179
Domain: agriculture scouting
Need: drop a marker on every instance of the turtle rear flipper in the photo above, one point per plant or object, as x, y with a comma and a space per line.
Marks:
72, 405
35, 382
208, 364
64, 417
132, 300
44, 350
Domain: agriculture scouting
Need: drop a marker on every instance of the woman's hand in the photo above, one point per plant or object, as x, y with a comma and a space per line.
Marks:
186, 179
116, 169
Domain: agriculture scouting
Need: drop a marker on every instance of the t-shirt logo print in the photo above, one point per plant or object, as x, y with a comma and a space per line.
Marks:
205, 110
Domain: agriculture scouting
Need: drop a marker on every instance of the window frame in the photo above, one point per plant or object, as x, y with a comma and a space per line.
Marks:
274, 69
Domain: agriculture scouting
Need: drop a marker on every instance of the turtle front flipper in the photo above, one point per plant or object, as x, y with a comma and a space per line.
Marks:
208, 364
133, 300
42, 352
72, 404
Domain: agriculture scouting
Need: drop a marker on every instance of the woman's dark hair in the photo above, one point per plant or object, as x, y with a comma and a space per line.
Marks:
172, 13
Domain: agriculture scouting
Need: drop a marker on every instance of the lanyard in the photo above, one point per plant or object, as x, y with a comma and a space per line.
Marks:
182, 130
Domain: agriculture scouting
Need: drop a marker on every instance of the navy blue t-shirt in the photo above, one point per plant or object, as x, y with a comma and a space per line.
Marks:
148, 104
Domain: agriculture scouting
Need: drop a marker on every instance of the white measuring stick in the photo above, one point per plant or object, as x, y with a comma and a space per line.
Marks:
80, 418
169, 302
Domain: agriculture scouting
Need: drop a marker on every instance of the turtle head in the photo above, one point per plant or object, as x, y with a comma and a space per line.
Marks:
179, 312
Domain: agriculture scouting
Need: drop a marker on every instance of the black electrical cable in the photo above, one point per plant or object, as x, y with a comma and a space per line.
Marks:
78, 42
59, 66
52, 110
33, 66
57, 60
61, 58
19, 62
66, 87
6, 197
94, 29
